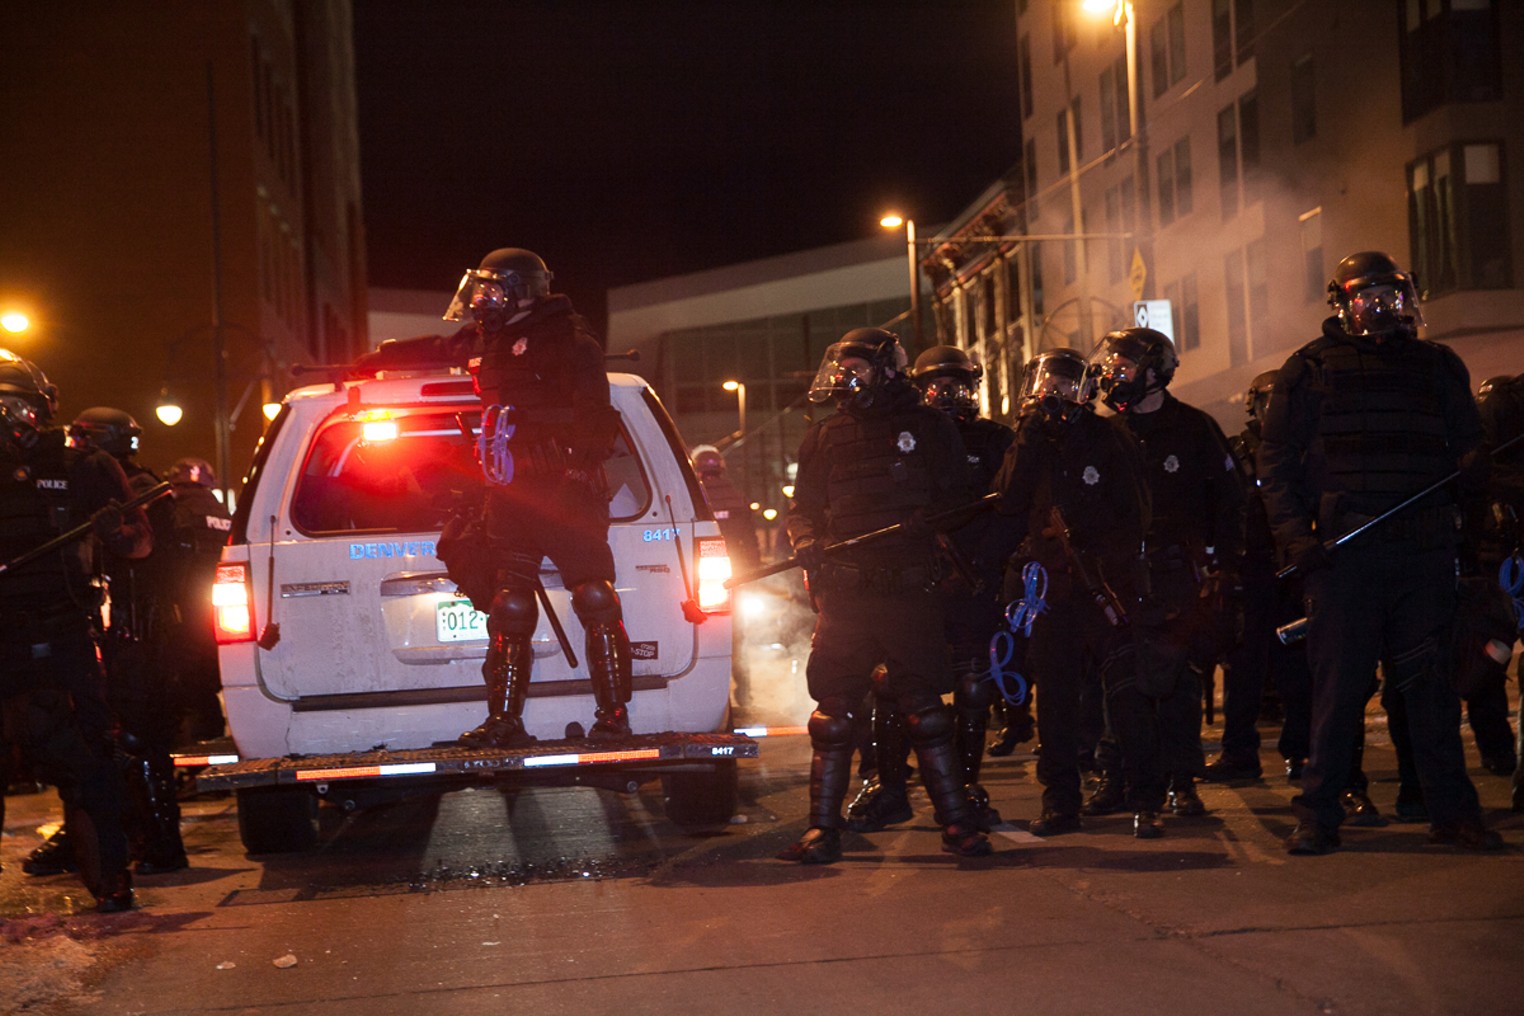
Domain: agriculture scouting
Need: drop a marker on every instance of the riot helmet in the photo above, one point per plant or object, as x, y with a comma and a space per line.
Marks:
191, 472
27, 400
949, 380
1493, 384
508, 280
113, 431
1257, 397
1372, 295
858, 366
1056, 383
1131, 364
707, 461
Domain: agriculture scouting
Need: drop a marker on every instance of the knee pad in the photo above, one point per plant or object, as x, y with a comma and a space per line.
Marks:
830, 731
596, 601
974, 693
514, 613
931, 725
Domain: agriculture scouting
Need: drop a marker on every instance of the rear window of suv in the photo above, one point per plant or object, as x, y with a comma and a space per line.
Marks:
400, 471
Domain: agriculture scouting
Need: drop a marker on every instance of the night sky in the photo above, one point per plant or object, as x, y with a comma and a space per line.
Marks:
626, 140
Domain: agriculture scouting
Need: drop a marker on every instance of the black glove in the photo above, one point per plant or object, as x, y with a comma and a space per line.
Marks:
916, 527
1310, 557
107, 521
810, 554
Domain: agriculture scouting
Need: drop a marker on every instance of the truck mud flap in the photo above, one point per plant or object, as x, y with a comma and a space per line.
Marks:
665, 752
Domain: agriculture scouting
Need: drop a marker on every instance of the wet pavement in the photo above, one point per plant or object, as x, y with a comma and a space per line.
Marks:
579, 900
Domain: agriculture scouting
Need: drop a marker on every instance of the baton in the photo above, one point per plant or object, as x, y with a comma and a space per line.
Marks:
1334, 544
83, 529
935, 521
555, 622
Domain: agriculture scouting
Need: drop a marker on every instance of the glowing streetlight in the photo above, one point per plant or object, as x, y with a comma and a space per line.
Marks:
168, 409
894, 220
15, 322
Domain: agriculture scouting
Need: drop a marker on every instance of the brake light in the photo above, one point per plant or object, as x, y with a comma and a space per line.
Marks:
232, 603
712, 566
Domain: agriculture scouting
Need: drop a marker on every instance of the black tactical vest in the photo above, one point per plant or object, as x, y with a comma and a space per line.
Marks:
1382, 433
37, 504
880, 468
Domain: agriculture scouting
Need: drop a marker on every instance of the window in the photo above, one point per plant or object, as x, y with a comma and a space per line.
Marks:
1121, 217
1222, 39
1238, 153
1116, 125
1458, 218
1243, 30
1166, 48
1304, 100
1184, 312
1024, 58
1063, 31
1310, 225
1029, 165
1064, 116
1257, 264
1227, 160
1448, 52
1173, 169
1071, 252
1238, 322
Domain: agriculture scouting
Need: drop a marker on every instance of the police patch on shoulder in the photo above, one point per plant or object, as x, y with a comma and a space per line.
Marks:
1091, 476
520, 346
1171, 463
906, 443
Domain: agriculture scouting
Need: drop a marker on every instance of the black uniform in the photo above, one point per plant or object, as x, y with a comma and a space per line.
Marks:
1092, 470
1196, 535
733, 513
188, 542
546, 372
863, 468
51, 686
1357, 426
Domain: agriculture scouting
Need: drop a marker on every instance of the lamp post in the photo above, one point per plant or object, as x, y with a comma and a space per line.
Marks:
1122, 14
740, 389
15, 321
893, 220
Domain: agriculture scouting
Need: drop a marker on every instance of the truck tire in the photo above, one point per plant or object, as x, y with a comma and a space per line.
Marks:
277, 820
702, 802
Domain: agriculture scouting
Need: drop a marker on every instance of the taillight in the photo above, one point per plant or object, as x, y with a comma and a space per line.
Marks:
712, 566
232, 601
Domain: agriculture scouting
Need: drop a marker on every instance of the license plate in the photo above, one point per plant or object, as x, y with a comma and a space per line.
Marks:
458, 621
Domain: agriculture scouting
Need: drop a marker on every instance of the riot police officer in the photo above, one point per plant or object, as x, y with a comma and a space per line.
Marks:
52, 700
882, 459
1364, 417
1194, 541
975, 552
730, 507
185, 557
549, 427
1072, 484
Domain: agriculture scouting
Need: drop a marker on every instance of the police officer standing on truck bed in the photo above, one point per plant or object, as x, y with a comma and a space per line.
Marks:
1194, 541
1072, 483
882, 459
548, 426
52, 700
1363, 418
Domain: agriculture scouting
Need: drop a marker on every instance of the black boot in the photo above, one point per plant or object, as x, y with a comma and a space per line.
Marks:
830, 773
931, 732
160, 848
1109, 796
1183, 799
972, 703
884, 799
1018, 729
609, 668
54, 857
506, 672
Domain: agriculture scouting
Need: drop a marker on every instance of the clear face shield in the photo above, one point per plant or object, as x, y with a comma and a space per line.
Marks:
19, 420
842, 375
1119, 378
1381, 308
950, 394
484, 294
1055, 385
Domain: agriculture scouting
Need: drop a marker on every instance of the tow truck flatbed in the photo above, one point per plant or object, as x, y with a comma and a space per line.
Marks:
662, 753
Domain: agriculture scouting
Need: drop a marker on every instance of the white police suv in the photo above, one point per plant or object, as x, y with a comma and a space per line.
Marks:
349, 661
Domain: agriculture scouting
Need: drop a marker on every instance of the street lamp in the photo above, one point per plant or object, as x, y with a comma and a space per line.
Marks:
893, 220
1122, 15
15, 322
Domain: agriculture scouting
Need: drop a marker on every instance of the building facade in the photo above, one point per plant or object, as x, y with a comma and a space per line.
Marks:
1265, 140
181, 178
